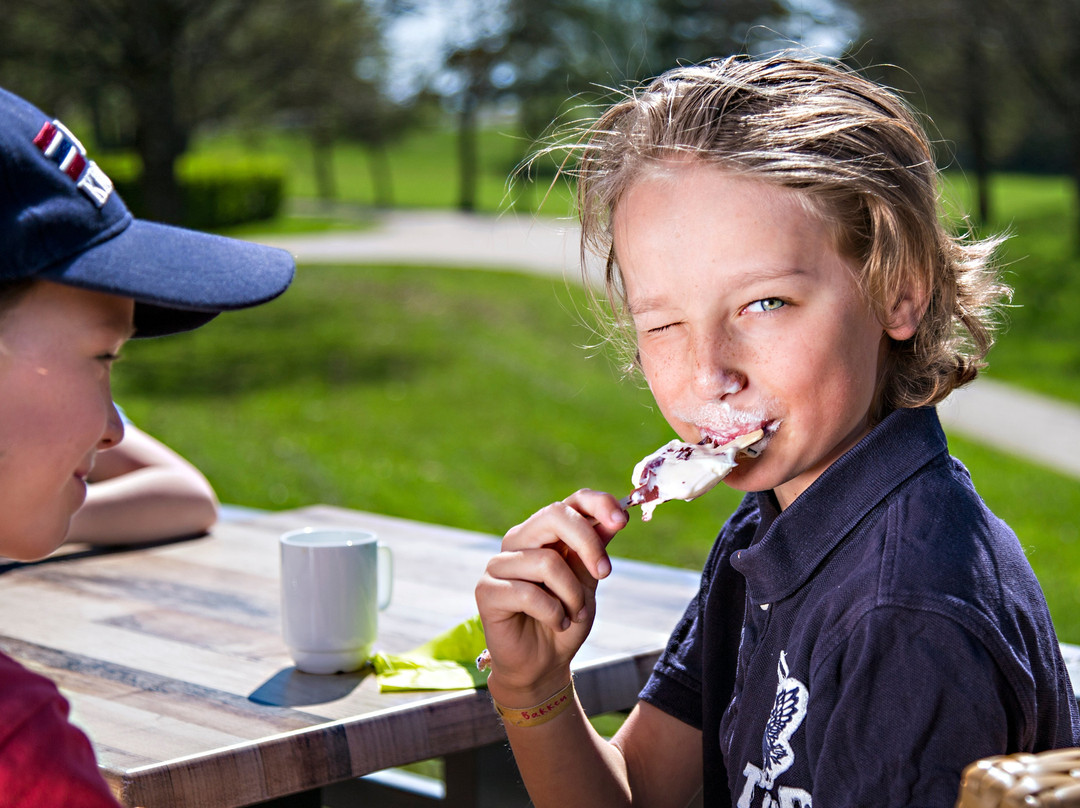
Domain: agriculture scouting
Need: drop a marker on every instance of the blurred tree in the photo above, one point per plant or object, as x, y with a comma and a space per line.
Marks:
538, 54
148, 72
473, 41
689, 31
989, 72
473, 65
562, 57
333, 94
1043, 39
947, 64
373, 121
563, 52
551, 55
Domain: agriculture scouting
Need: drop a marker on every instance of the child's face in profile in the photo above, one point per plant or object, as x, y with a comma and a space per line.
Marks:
746, 317
57, 344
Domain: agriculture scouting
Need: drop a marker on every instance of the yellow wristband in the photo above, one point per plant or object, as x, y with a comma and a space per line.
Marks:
539, 714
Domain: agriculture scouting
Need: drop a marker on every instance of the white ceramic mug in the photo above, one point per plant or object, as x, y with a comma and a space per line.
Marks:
334, 582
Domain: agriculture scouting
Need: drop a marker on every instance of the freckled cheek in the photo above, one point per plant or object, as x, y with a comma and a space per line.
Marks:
768, 369
664, 371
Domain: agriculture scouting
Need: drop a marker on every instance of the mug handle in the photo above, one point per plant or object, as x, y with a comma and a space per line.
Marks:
385, 575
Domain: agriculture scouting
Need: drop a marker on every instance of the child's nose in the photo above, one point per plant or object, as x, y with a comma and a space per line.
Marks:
714, 384
714, 375
114, 429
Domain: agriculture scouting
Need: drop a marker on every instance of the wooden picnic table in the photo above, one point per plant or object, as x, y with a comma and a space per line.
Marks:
172, 658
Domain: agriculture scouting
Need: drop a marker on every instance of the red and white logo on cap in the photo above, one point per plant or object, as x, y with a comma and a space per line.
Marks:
64, 149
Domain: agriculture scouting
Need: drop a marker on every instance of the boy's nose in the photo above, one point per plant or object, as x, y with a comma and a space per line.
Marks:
714, 378
114, 428
713, 384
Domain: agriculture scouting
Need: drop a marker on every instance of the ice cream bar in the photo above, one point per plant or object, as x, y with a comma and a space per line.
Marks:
685, 471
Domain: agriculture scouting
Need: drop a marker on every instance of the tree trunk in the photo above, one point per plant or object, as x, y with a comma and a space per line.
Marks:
160, 140
323, 154
975, 117
382, 182
467, 151
1075, 128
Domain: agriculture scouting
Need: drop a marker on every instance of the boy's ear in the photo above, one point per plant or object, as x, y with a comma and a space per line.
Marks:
906, 314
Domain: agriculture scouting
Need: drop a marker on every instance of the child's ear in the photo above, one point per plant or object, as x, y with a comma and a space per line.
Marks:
906, 314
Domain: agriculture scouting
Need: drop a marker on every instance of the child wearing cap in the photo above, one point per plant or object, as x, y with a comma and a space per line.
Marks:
865, 626
78, 277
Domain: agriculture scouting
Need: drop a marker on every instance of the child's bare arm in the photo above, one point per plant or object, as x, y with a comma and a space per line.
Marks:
537, 603
653, 761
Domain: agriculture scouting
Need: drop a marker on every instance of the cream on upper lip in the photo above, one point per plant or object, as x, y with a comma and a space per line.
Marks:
721, 421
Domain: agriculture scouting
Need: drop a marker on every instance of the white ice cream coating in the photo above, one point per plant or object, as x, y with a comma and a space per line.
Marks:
684, 471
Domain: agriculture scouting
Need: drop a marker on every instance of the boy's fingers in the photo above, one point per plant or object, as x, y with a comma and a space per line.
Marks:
583, 523
549, 584
602, 510
514, 597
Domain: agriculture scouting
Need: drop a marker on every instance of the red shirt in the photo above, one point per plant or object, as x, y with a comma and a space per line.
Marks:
45, 761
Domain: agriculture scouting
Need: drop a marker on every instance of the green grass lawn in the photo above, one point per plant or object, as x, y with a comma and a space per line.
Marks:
1040, 345
1038, 349
467, 398
422, 167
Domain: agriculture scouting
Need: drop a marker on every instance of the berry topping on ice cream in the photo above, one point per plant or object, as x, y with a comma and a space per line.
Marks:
685, 471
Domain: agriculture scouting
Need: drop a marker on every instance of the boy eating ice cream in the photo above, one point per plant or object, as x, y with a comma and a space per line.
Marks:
865, 626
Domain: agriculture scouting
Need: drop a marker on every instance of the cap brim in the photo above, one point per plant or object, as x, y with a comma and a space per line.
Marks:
179, 278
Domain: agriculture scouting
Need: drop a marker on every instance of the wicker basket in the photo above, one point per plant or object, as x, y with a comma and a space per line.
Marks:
1046, 780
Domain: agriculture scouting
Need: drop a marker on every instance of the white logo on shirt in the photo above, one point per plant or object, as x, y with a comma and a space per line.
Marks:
788, 711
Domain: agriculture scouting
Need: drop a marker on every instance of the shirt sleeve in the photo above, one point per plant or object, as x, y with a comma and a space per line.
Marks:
44, 758
675, 683
906, 716
702, 641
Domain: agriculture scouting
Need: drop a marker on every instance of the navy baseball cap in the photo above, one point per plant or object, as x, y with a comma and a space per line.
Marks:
62, 221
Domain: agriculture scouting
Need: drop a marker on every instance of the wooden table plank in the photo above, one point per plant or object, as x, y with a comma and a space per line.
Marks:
172, 658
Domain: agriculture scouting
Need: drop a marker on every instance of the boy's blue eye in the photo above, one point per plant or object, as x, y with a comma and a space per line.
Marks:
766, 304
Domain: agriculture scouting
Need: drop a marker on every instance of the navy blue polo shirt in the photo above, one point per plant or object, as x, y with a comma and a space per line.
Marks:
864, 645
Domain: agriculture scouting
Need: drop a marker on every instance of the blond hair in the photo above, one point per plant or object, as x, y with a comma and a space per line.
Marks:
864, 163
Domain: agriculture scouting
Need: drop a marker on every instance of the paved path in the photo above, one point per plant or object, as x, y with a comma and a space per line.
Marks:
513, 242
1038, 428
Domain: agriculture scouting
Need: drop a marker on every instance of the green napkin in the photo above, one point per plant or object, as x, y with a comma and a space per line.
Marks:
448, 662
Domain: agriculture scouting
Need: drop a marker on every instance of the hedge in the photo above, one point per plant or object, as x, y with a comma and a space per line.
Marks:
216, 192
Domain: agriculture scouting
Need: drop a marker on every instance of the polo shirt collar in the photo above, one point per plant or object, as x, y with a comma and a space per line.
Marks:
797, 540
